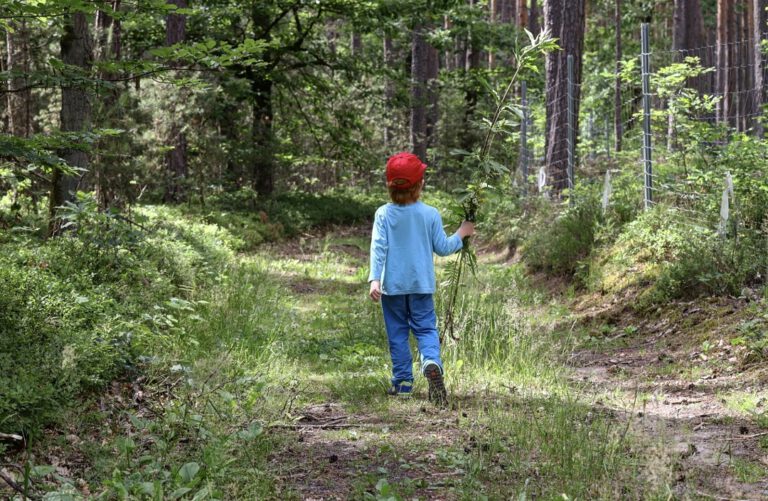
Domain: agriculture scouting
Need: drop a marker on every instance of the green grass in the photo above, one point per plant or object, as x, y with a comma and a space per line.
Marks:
279, 331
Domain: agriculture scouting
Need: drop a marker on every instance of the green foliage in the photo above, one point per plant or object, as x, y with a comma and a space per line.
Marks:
77, 311
257, 220
560, 241
677, 258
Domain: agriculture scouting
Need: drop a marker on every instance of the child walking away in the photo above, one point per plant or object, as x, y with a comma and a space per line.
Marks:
406, 233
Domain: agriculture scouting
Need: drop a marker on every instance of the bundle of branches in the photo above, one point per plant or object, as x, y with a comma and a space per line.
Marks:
485, 168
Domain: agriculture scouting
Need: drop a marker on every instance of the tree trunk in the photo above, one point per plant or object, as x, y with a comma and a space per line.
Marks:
618, 126
533, 18
687, 37
472, 59
19, 99
507, 11
565, 21
726, 112
263, 136
419, 77
107, 47
433, 112
75, 115
176, 157
356, 45
759, 18
522, 14
494, 7
389, 91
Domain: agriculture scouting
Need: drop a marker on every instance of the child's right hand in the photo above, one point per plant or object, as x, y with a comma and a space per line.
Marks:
375, 292
466, 229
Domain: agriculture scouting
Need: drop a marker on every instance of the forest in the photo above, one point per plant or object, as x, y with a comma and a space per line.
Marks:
191, 204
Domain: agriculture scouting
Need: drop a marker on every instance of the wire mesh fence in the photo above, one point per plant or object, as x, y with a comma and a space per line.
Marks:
690, 130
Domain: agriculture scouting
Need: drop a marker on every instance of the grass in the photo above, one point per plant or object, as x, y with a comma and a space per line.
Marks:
288, 328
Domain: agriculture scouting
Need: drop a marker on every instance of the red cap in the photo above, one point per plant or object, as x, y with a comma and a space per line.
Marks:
404, 170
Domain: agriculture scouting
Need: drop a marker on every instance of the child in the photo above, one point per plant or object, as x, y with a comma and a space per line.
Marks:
405, 234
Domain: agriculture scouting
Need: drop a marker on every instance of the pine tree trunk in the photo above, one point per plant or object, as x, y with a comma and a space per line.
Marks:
533, 18
389, 92
618, 126
565, 21
472, 59
522, 14
433, 112
176, 157
107, 47
759, 17
19, 98
75, 114
419, 77
356, 45
726, 112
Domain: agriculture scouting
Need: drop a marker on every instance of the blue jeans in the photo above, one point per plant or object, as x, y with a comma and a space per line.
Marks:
405, 313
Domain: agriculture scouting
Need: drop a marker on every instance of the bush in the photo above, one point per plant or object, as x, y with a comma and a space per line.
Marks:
79, 310
258, 220
677, 258
559, 242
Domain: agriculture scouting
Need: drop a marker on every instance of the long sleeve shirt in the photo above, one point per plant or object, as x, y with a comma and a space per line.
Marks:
403, 241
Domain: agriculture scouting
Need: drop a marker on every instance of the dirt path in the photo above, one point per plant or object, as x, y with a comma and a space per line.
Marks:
658, 379
349, 442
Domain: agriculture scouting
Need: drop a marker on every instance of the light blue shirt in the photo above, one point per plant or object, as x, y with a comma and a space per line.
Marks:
404, 238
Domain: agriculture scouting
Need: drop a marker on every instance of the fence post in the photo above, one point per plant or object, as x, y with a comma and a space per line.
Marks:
571, 127
645, 63
524, 136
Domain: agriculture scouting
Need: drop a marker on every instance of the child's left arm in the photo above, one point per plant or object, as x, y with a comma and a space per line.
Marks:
378, 254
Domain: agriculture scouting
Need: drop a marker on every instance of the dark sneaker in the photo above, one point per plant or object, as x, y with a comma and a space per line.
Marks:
401, 389
437, 393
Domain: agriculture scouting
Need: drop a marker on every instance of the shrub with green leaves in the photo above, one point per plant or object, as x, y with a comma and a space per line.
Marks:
79, 310
560, 241
676, 258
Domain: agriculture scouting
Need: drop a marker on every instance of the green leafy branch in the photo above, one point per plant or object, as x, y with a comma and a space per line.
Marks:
486, 168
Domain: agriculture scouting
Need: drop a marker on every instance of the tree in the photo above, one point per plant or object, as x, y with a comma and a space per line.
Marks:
565, 21
759, 22
76, 46
726, 74
176, 156
419, 78
19, 95
617, 123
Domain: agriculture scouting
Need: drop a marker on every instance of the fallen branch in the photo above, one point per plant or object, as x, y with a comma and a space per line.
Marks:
13, 485
745, 437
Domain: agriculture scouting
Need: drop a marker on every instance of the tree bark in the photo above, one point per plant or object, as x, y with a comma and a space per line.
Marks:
618, 126
533, 18
389, 91
522, 14
726, 112
433, 112
356, 44
107, 47
565, 21
75, 114
759, 18
19, 99
687, 37
176, 158
419, 77
472, 60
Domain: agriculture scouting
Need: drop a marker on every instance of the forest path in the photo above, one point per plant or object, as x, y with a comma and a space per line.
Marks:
708, 413
604, 427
